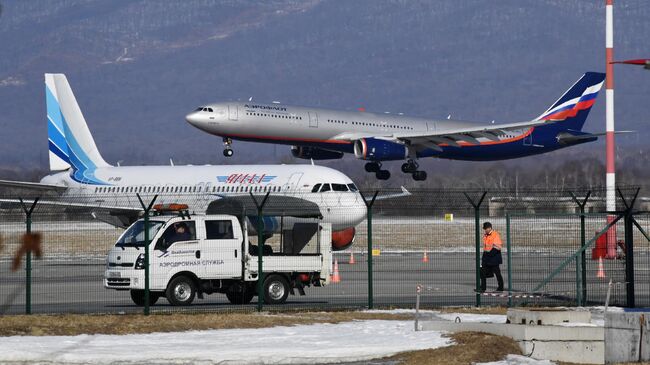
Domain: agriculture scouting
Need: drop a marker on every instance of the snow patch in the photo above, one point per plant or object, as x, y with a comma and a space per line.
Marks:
518, 360
11, 81
317, 343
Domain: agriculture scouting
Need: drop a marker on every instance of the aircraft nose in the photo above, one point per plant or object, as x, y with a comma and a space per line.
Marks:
194, 118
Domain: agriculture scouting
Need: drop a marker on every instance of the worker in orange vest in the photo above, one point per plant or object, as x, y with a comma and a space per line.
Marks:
491, 259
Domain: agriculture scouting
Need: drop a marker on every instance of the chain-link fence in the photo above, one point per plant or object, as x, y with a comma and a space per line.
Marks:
382, 250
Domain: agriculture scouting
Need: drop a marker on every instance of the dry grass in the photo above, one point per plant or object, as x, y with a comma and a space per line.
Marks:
75, 324
470, 348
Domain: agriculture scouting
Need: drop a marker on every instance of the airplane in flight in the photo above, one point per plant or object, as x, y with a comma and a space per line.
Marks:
322, 134
82, 179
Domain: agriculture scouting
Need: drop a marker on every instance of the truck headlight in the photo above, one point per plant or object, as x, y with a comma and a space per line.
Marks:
139, 262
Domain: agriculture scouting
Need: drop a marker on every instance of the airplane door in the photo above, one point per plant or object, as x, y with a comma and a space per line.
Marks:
431, 126
313, 120
292, 183
232, 112
528, 140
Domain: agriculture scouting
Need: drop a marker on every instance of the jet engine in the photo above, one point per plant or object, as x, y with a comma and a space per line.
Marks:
343, 239
315, 153
379, 150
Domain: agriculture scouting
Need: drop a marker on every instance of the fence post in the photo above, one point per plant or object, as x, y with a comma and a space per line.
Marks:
260, 250
28, 255
628, 222
477, 229
369, 205
581, 266
147, 209
509, 257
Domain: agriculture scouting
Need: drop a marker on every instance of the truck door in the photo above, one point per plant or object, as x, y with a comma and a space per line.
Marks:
232, 112
313, 120
176, 246
222, 259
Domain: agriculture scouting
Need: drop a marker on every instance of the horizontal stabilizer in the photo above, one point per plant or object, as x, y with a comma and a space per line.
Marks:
31, 186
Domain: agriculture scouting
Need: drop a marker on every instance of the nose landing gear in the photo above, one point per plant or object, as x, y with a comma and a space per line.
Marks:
227, 150
376, 168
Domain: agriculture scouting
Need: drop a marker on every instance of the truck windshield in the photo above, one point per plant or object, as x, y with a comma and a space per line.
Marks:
134, 236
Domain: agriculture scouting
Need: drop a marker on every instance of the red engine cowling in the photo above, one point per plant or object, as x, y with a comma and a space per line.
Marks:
343, 239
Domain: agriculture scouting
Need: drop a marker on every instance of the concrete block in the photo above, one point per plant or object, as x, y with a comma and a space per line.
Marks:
627, 338
583, 344
543, 316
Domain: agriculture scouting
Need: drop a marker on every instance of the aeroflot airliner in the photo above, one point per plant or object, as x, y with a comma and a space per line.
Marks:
85, 180
328, 134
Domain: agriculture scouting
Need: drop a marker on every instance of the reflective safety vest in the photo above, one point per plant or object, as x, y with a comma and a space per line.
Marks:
492, 240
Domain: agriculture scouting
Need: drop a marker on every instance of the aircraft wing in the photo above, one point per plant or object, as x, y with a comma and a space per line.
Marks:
118, 216
32, 186
453, 137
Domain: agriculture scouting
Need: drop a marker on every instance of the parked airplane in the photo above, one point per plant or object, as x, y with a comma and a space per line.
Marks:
85, 180
321, 134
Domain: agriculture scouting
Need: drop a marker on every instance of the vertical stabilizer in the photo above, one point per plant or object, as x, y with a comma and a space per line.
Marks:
59, 155
70, 141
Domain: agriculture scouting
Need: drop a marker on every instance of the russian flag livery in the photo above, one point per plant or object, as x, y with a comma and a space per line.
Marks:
581, 96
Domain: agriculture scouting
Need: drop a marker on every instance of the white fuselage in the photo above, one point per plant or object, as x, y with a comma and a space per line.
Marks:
197, 186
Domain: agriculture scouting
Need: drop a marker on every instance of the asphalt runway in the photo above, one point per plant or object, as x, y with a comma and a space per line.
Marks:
75, 285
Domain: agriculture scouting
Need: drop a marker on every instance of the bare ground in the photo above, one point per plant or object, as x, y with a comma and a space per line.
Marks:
470, 348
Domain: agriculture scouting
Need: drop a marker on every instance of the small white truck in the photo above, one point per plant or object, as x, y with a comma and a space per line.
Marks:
192, 256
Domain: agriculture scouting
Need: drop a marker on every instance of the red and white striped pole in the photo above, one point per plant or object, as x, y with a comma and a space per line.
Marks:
609, 121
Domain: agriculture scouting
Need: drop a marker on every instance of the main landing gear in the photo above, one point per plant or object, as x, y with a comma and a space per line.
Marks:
376, 168
227, 150
411, 167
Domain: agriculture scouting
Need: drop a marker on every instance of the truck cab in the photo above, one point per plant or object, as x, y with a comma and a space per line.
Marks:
193, 256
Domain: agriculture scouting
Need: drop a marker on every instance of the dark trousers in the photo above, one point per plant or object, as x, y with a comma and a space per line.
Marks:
488, 271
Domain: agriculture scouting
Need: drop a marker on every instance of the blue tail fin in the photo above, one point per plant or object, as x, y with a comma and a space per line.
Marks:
69, 139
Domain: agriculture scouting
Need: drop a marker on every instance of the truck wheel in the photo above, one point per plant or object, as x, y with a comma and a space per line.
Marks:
181, 291
276, 289
240, 298
239, 293
138, 297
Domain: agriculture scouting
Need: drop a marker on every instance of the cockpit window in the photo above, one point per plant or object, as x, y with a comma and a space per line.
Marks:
352, 187
210, 110
316, 188
199, 109
326, 187
339, 187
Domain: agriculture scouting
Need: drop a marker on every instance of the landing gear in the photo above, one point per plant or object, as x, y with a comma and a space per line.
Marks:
376, 168
227, 151
411, 167
383, 174
372, 166
419, 175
